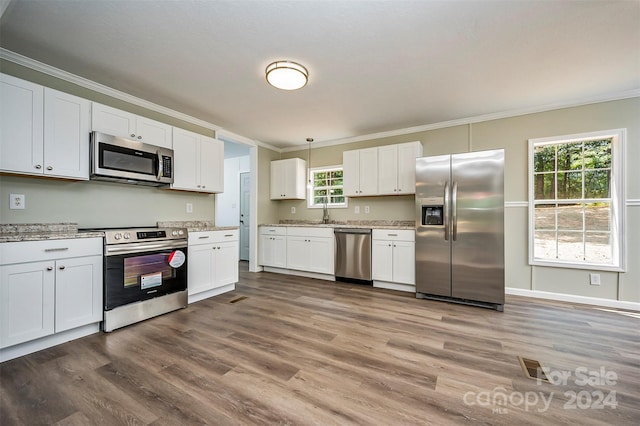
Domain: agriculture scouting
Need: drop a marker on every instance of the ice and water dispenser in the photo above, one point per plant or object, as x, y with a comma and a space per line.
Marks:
433, 215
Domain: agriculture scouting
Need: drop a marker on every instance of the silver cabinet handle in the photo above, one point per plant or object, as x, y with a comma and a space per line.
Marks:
49, 268
392, 235
49, 168
38, 166
57, 249
206, 236
228, 235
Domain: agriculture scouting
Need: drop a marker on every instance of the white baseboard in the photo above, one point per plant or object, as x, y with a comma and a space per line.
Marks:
620, 304
395, 286
326, 277
210, 293
48, 341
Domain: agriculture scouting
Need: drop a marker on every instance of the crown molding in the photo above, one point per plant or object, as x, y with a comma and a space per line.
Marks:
226, 135
477, 119
24, 61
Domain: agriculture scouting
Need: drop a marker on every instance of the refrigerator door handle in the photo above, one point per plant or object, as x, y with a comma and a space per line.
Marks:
445, 213
454, 207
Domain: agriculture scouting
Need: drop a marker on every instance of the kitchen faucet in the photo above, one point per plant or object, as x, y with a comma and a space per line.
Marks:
325, 213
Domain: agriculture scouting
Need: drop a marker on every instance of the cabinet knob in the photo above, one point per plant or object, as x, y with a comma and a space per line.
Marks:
49, 168
203, 186
49, 268
394, 190
389, 245
62, 267
399, 190
139, 137
38, 166
133, 135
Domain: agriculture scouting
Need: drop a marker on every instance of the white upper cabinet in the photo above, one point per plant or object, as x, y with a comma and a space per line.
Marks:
198, 162
397, 168
124, 124
21, 126
66, 135
288, 179
44, 132
360, 171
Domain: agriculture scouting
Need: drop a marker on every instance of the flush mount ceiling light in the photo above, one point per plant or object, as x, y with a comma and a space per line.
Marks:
287, 75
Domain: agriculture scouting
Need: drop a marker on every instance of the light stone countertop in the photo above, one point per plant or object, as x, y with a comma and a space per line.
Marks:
10, 233
360, 224
194, 225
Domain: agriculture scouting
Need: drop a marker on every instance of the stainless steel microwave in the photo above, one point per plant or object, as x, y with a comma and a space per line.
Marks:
128, 161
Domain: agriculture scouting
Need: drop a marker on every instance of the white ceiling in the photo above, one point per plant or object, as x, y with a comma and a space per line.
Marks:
374, 66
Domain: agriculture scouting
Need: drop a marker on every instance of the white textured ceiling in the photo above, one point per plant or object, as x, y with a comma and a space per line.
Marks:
374, 66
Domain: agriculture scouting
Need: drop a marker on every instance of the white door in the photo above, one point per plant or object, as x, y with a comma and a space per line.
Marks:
382, 260
404, 262
200, 269
186, 162
113, 121
388, 170
78, 292
211, 165
244, 215
226, 263
154, 133
369, 171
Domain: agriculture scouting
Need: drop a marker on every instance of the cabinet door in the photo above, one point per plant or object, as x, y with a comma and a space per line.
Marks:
368, 171
78, 297
200, 268
186, 163
21, 126
226, 266
113, 121
26, 302
407, 154
382, 260
273, 251
277, 189
321, 255
154, 132
388, 170
66, 135
211, 165
266, 252
351, 173
294, 179
298, 253
404, 262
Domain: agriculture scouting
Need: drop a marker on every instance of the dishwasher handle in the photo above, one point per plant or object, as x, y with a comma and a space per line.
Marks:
351, 231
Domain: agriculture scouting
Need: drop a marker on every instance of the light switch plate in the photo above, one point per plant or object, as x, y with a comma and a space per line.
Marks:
189, 208
594, 279
367, 210
17, 201
356, 210
293, 210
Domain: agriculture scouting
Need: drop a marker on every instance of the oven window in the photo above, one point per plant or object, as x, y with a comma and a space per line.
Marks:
127, 160
147, 266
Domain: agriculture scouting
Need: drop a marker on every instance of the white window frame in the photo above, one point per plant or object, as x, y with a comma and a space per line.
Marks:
618, 199
310, 188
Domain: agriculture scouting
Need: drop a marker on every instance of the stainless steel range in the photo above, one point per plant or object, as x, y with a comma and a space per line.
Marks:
145, 274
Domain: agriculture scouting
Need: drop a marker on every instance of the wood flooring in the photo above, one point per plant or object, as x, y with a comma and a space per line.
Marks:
299, 351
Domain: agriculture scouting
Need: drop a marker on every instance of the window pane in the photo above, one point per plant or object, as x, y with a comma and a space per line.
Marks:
545, 186
318, 200
339, 200
544, 245
320, 192
598, 217
598, 247
569, 185
596, 183
570, 156
545, 216
544, 158
597, 154
570, 217
570, 246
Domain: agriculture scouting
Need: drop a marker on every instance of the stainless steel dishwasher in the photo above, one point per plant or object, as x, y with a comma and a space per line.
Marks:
353, 255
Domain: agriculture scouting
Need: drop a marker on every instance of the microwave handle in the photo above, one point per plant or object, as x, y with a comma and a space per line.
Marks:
160, 166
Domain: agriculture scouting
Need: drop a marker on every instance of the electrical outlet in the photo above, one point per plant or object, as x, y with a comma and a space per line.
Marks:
594, 279
189, 208
367, 210
17, 201
293, 210
356, 209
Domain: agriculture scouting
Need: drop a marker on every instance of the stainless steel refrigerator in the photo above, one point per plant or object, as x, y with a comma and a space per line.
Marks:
460, 228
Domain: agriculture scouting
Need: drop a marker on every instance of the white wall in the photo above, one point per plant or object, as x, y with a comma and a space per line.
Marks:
228, 203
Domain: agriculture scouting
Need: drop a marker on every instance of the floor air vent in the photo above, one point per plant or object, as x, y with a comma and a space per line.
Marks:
532, 369
238, 299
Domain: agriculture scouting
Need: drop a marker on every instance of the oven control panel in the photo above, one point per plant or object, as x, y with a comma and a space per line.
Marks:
124, 236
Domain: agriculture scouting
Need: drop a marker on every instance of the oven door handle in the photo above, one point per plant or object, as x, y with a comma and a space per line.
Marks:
132, 248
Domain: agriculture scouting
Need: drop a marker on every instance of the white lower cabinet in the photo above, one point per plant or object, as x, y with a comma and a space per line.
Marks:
212, 263
273, 246
310, 249
48, 287
393, 259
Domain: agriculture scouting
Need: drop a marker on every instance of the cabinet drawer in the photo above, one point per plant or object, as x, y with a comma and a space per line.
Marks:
205, 237
309, 232
273, 230
34, 251
394, 235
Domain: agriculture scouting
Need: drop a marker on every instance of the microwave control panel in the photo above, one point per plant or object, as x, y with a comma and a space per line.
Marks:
166, 166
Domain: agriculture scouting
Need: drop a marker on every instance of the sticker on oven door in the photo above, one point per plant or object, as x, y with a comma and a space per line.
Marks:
176, 259
150, 280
